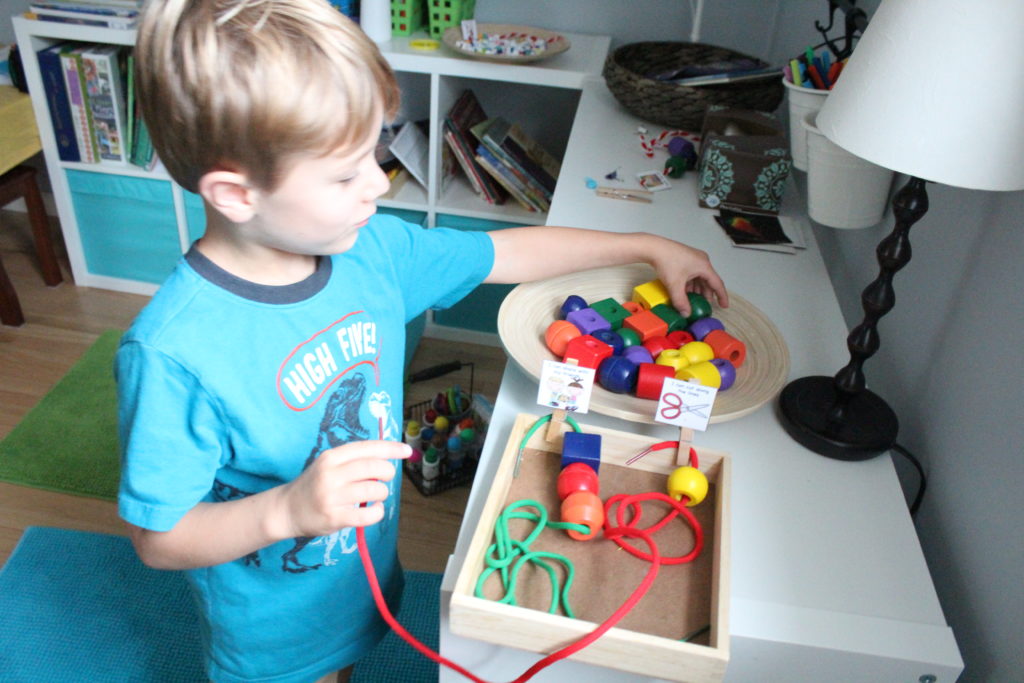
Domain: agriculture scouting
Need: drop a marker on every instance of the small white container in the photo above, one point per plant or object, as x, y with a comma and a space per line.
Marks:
375, 19
802, 101
843, 190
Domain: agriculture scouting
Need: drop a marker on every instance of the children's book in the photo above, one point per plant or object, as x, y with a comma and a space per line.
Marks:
766, 233
52, 74
104, 83
508, 180
410, 147
81, 116
534, 194
510, 143
463, 115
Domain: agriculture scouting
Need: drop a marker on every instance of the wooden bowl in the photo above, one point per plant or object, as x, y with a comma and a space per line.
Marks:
556, 42
531, 307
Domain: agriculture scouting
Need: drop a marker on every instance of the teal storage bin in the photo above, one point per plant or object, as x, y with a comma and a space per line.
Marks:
479, 309
127, 225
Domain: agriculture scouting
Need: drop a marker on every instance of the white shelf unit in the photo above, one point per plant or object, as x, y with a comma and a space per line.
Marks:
430, 81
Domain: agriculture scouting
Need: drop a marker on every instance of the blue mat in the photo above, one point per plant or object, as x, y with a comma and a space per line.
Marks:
81, 606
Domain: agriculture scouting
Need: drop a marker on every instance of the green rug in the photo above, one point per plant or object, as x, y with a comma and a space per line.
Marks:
68, 442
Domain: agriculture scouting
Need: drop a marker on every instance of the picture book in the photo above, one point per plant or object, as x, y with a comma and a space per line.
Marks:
52, 74
410, 147
535, 194
104, 86
512, 145
508, 180
81, 116
767, 233
465, 113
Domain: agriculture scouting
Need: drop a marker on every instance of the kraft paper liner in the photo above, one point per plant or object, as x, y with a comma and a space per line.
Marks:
678, 603
529, 309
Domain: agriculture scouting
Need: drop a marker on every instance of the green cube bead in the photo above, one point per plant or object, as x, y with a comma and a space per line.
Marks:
699, 307
674, 319
612, 311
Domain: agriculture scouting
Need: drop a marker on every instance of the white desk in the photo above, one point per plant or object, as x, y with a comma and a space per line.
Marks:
828, 578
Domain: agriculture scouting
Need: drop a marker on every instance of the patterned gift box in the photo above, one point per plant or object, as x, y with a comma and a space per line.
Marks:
744, 161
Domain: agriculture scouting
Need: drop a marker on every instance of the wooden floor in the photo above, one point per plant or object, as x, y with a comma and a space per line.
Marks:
62, 322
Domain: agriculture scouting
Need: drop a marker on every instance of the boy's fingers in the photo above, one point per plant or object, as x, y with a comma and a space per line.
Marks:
368, 450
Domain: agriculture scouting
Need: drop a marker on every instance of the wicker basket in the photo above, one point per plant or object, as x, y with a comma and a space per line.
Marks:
680, 106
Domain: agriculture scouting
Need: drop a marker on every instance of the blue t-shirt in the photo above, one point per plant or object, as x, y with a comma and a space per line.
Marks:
228, 388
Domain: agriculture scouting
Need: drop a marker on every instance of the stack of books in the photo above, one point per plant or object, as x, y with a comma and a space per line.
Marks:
498, 157
121, 14
90, 92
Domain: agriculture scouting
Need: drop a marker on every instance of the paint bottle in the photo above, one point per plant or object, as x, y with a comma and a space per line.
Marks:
456, 453
412, 433
431, 468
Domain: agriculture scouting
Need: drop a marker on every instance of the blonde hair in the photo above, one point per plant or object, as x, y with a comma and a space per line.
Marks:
251, 85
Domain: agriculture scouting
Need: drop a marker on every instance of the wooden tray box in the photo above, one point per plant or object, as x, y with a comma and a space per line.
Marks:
683, 600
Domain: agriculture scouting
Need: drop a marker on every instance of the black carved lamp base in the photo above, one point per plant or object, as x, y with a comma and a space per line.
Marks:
868, 429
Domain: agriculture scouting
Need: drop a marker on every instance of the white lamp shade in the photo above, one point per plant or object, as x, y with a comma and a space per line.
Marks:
935, 89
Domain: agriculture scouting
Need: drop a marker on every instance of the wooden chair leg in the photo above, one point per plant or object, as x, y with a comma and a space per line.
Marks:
41, 232
10, 309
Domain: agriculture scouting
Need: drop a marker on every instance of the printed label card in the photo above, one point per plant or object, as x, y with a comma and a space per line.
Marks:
565, 387
685, 404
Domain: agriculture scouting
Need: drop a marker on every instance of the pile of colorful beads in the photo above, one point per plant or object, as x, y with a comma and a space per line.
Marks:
505, 44
635, 345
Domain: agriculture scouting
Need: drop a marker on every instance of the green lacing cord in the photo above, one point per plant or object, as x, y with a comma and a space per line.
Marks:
506, 551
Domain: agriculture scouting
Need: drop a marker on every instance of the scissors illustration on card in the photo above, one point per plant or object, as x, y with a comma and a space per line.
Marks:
685, 405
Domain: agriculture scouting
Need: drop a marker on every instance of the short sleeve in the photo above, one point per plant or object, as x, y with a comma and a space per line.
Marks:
170, 446
435, 267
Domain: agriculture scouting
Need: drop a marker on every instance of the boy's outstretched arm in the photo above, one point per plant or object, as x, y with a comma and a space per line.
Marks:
539, 252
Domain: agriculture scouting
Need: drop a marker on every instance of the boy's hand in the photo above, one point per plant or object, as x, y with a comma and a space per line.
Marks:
329, 494
684, 269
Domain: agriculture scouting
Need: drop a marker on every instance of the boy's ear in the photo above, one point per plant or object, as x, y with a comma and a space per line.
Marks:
230, 193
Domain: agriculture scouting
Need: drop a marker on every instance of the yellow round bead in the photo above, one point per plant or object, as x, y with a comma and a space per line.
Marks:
697, 351
690, 482
704, 372
673, 358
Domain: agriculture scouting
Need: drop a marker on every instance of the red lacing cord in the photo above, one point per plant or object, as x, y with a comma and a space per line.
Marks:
613, 533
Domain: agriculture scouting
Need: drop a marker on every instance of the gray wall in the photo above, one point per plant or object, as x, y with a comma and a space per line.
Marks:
949, 362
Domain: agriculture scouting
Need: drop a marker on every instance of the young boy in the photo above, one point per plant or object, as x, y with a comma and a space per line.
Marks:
260, 389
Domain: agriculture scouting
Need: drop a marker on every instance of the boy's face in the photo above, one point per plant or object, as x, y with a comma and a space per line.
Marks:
322, 202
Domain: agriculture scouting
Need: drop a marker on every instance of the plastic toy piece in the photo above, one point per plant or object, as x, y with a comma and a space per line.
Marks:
656, 345
697, 352
587, 351
675, 167
673, 358
558, 336
629, 337
726, 371
699, 307
583, 507
727, 346
672, 317
577, 477
583, 448
650, 294
618, 374
704, 372
687, 482
638, 354
612, 311
679, 338
632, 307
611, 338
646, 324
572, 303
700, 328
588, 320
650, 378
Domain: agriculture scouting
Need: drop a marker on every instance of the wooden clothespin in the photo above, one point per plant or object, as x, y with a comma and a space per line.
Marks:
629, 195
685, 443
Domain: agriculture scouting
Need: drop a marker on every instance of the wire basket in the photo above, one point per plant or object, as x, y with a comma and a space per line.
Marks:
627, 70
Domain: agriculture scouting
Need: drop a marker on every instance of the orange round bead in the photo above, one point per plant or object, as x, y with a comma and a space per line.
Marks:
583, 507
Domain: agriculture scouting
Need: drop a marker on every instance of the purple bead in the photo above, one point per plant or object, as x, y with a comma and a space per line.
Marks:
638, 354
726, 371
612, 339
588, 321
701, 328
677, 146
573, 303
618, 374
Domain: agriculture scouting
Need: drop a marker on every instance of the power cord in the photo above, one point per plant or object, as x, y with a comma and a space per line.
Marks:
921, 476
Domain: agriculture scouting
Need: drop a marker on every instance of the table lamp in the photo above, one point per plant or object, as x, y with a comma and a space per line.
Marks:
934, 91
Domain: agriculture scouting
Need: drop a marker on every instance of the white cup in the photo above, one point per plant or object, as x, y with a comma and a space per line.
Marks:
375, 19
843, 190
802, 101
